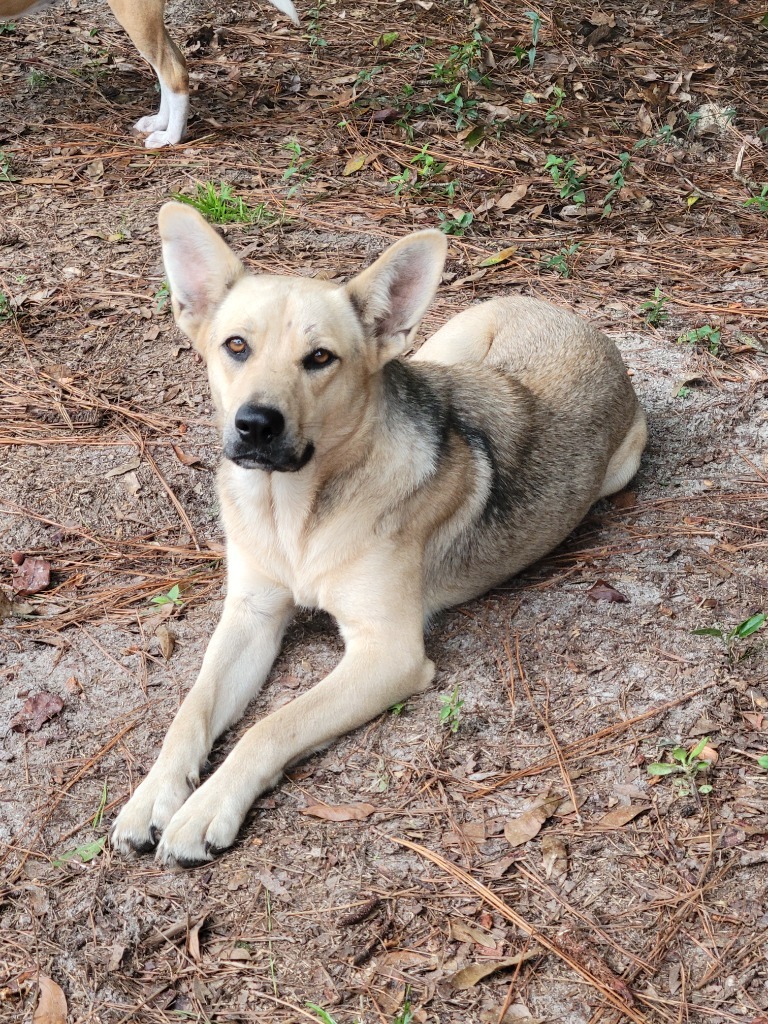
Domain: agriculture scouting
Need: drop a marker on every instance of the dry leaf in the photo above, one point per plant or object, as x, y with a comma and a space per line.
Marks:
499, 257
523, 828
354, 164
624, 499
554, 856
341, 812
51, 1003
509, 199
602, 591
468, 977
466, 933
167, 640
38, 709
621, 816
30, 576
184, 459
124, 467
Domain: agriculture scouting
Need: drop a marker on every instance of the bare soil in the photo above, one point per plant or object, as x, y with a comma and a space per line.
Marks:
651, 904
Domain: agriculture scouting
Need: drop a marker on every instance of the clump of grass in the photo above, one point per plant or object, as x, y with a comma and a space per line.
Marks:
220, 205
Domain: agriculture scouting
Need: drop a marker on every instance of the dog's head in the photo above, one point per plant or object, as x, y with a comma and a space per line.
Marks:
292, 361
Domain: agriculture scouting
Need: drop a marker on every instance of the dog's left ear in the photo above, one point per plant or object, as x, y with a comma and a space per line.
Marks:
200, 266
393, 294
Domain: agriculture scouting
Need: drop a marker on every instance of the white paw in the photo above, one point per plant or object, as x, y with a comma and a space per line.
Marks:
205, 825
152, 123
159, 139
138, 826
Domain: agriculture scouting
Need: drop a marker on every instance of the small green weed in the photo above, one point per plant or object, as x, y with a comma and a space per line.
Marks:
221, 206
708, 335
322, 1015
399, 708
298, 168
162, 295
565, 177
763, 761
172, 597
455, 225
654, 310
88, 851
6, 312
462, 58
687, 763
617, 182
313, 26
37, 80
664, 136
562, 260
6, 174
554, 116
450, 710
530, 52
759, 201
7, 28
732, 639
420, 175
462, 107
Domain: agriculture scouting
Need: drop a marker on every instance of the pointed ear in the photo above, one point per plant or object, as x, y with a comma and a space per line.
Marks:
393, 294
200, 266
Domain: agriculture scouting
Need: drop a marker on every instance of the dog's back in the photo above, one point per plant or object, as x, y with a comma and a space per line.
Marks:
543, 403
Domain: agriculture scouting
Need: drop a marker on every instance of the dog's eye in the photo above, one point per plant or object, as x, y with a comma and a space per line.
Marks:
236, 347
320, 357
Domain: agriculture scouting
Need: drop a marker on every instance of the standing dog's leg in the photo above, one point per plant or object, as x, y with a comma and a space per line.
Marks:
239, 656
380, 614
143, 21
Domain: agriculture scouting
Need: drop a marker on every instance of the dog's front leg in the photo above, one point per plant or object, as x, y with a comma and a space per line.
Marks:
239, 657
384, 662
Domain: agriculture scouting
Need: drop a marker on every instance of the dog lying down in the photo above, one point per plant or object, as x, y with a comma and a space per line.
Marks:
378, 489
143, 20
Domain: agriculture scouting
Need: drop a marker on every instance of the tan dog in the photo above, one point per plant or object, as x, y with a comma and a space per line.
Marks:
379, 490
143, 20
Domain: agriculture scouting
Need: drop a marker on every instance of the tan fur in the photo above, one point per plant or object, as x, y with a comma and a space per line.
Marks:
144, 21
395, 489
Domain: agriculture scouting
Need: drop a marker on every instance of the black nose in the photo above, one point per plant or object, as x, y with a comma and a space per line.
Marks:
259, 425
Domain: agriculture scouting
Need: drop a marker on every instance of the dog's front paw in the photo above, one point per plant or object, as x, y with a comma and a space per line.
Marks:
139, 825
159, 139
151, 123
204, 826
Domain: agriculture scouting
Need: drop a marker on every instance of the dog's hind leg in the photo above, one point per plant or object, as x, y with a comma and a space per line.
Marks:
238, 659
143, 21
626, 459
380, 612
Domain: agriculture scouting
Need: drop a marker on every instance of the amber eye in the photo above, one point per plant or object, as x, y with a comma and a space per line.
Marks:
236, 347
320, 357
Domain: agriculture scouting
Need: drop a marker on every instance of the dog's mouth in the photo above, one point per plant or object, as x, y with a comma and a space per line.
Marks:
272, 462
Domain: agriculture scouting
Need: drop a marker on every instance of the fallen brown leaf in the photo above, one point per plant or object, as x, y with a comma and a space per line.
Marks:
468, 977
602, 591
30, 576
341, 812
621, 816
37, 710
167, 640
528, 824
184, 459
51, 1003
555, 857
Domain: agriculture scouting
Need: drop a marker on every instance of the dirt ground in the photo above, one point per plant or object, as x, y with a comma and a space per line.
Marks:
634, 901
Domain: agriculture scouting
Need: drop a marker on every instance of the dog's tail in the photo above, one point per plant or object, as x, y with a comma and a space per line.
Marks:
287, 8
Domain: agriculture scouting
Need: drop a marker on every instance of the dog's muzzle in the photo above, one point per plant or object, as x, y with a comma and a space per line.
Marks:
259, 441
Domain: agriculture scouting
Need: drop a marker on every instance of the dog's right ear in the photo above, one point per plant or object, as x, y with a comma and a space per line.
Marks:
200, 266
